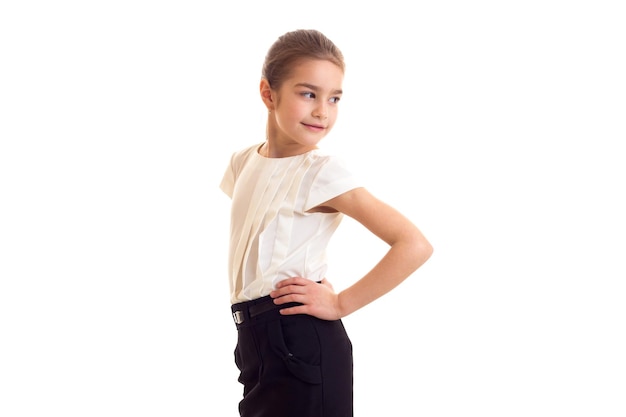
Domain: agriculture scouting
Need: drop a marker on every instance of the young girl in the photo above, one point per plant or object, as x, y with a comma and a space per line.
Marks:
288, 198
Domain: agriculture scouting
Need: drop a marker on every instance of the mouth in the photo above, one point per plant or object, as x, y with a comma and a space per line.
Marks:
316, 128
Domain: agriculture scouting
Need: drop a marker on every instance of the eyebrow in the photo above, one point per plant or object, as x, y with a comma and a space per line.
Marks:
316, 88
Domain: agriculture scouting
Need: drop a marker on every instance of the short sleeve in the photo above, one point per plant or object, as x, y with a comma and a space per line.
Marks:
228, 180
332, 179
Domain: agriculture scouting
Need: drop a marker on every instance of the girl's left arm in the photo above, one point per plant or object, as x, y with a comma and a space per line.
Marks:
408, 250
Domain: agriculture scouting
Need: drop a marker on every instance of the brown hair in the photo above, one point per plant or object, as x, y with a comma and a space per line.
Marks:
294, 46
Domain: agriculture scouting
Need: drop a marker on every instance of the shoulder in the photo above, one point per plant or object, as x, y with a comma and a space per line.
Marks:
329, 166
327, 162
331, 177
245, 153
239, 158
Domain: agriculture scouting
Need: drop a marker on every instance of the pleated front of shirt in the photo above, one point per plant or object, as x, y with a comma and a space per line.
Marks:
273, 237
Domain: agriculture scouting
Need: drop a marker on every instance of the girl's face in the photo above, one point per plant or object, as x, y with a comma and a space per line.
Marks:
305, 106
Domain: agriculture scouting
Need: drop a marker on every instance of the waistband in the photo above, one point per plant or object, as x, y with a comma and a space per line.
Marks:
249, 312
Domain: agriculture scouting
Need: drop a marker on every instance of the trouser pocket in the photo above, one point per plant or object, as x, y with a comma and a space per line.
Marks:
294, 339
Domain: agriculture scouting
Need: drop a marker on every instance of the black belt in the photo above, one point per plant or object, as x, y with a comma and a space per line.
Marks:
243, 311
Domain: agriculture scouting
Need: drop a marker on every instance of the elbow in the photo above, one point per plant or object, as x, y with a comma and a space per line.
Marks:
427, 249
422, 251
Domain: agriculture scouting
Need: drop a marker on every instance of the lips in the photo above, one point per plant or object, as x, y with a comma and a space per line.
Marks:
314, 127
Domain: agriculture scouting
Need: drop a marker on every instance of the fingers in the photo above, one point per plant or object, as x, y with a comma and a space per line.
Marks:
294, 290
322, 309
301, 282
302, 309
290, 298
316, 299
295, 285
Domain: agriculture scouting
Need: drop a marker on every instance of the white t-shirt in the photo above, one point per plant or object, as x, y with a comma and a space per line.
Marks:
272, 235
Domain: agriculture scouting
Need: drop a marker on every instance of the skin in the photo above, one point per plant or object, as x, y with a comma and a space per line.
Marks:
301, 112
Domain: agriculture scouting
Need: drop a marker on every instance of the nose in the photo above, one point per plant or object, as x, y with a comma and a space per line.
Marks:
321, 111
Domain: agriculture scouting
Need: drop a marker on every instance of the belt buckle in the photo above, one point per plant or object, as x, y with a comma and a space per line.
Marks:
238, 317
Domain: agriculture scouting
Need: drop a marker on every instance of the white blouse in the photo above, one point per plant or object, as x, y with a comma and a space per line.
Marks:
272, 236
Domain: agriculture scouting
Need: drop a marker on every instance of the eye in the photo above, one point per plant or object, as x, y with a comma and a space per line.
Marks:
308, 94
335, 100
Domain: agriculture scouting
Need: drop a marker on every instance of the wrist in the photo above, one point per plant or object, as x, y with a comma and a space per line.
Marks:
342, 305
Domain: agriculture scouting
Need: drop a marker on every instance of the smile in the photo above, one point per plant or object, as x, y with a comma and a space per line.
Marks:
314, 127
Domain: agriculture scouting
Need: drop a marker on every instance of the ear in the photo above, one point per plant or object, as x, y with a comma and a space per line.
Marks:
267, 94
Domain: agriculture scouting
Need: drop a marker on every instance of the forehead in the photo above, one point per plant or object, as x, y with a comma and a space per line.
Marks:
317, 72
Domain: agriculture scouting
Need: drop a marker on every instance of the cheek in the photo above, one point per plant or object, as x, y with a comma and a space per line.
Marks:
334, 113
287, 120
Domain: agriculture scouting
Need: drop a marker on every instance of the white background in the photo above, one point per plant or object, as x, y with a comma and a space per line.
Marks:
498, 127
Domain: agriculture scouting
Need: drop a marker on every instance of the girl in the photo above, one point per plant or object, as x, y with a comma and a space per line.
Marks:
288, 198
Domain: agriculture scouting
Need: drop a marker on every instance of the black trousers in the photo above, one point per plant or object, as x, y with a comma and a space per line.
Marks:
291, 366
